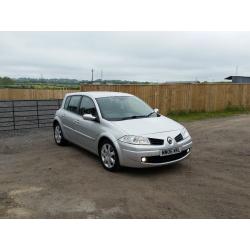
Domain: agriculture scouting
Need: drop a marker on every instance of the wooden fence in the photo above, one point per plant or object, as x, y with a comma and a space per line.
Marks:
185, 97
33, 94
168, 97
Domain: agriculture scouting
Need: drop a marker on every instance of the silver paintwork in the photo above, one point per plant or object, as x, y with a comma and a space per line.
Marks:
88, 133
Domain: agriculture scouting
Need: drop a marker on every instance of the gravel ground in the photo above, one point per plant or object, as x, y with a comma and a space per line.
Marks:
42, 180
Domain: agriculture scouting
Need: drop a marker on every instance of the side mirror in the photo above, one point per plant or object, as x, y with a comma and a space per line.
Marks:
89, 117
156, 110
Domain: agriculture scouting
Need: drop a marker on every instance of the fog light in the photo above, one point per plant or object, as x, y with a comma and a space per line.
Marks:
143, 159
188, 150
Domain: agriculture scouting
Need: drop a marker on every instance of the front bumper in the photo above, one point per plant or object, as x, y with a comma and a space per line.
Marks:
131, 155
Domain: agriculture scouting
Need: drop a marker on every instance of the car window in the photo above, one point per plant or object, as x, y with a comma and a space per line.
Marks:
74, 104
87, 106
67, 102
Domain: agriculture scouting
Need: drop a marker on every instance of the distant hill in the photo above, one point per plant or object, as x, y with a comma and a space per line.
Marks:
27, 81
46, 81
65, 81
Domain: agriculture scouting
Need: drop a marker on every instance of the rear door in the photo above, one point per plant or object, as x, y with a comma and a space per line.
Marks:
70, 117
65, 129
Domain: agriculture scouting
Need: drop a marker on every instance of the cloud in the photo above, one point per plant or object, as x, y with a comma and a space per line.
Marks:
143, 56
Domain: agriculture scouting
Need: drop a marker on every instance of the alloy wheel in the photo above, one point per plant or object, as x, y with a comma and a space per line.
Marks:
108, 155
58, 134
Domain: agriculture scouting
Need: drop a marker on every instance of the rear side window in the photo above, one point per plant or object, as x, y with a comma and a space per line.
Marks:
87, 106
74, 102
66, 104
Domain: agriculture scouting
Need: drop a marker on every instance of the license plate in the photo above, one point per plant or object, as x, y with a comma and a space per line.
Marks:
170, 151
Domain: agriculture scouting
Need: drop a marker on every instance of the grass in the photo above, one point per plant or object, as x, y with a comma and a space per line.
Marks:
194, 116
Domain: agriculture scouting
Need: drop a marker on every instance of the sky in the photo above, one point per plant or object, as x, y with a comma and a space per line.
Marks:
140, 56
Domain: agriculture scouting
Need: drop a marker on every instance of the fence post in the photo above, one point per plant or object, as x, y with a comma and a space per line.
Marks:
37, 115
13, 114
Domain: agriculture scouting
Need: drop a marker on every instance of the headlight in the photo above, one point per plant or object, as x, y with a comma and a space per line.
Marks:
185, 133
137, 140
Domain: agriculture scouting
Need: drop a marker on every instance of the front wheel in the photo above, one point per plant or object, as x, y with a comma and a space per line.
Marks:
108, 156
58, 135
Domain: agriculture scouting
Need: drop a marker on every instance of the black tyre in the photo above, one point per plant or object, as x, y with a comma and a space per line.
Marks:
58, 135
108, 156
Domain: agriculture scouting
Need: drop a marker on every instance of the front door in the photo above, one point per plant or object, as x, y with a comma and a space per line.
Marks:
88, 131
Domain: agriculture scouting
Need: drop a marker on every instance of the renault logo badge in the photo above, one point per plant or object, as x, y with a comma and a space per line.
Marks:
170, 140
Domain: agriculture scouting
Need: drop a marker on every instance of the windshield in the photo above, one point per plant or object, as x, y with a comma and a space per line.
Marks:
116, 108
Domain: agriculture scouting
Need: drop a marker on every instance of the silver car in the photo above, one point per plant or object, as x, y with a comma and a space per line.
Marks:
121, 129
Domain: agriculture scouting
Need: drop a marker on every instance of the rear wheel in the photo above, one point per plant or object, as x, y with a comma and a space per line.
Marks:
108, 156
58, 135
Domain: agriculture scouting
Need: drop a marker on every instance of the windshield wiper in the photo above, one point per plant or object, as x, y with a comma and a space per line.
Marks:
133, 117
153, 112
137, 116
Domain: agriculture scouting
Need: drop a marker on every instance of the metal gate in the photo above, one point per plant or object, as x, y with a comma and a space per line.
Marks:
27, 114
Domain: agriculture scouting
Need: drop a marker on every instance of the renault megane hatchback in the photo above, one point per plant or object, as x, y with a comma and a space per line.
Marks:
121, 129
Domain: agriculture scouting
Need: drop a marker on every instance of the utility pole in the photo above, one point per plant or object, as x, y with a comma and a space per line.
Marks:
92, 75
101, 75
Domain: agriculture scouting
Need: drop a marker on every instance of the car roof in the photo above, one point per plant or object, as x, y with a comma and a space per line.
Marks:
97, 94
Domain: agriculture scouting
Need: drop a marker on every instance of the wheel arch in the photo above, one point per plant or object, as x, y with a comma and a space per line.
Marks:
110, 138
113, 140
55, 122
101, 139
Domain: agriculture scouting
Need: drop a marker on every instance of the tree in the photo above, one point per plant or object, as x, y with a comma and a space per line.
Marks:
6, 81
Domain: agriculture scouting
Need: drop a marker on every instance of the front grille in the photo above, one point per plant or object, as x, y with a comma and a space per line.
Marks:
154, 141
167, 158
178, 138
